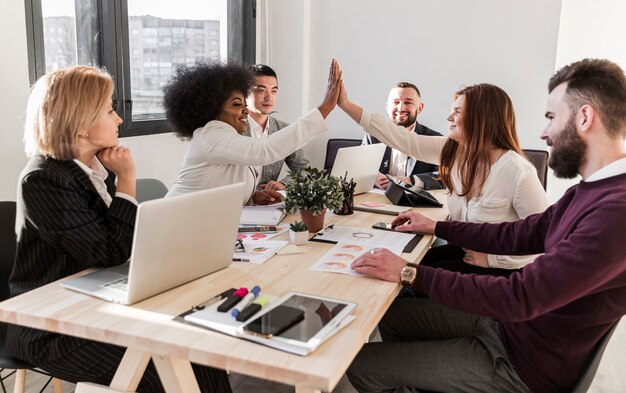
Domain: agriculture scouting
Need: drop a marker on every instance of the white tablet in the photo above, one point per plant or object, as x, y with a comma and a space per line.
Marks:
298, 320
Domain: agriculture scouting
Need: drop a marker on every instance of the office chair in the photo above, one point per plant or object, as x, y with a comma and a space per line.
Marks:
148, 189
7, 255
590, 372
539, 158
331, 150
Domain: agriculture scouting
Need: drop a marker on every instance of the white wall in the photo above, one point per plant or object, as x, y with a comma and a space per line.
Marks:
13, 94
594, 29
438, 45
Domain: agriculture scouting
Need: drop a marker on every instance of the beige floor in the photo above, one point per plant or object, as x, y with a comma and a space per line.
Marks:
609, 379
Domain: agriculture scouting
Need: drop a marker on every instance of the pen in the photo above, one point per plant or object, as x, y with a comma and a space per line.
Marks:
321, 233
246, 301
213, 300
241, 260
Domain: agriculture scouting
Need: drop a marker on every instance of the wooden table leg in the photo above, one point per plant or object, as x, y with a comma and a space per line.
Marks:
127, 376
176, 374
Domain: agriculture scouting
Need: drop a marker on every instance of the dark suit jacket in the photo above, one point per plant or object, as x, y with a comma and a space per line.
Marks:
415, 168
63, 226
419, 167
296, 161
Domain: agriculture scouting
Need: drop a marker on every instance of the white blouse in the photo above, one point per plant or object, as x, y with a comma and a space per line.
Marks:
512, 190
217, 155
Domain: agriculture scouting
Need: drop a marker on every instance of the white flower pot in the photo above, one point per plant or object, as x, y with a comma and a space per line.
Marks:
298, 238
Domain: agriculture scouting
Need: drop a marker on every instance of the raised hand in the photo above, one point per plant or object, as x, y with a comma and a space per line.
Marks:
332, 89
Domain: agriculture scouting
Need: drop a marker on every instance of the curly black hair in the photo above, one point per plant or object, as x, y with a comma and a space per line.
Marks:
197, 93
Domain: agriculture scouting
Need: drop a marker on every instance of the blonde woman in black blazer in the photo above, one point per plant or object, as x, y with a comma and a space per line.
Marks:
72, 216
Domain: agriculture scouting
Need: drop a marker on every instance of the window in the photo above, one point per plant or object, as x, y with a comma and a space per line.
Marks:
140, 42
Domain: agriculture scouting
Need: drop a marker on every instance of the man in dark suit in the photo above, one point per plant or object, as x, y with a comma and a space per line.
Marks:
260, 124
403, 105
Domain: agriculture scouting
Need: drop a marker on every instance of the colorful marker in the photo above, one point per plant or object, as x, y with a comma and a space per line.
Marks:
232, 300
246, 301
259, 303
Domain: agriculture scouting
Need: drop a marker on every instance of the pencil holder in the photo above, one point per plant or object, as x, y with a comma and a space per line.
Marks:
347, 206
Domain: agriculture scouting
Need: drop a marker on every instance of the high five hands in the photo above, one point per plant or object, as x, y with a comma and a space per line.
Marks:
332, 89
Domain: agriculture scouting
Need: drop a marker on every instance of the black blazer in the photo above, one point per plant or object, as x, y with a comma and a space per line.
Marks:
63, 226
419, 167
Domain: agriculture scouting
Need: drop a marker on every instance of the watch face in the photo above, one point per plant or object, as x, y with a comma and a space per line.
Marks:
407, 275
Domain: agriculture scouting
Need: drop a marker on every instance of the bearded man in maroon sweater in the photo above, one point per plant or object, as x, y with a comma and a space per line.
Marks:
536, 330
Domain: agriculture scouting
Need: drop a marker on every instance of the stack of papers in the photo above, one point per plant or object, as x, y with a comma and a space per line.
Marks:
262, 215
365, 236
339, 258
354, 242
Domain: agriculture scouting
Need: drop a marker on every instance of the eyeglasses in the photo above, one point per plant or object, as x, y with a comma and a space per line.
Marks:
239, 246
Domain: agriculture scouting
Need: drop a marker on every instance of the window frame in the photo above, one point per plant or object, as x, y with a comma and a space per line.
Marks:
114, 51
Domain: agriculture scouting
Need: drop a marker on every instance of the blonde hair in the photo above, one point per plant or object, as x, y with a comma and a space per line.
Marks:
61, 104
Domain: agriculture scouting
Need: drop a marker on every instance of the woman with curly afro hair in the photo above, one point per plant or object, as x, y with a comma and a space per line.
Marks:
206, 103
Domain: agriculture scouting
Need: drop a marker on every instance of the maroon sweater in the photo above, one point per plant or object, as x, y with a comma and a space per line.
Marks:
555, 311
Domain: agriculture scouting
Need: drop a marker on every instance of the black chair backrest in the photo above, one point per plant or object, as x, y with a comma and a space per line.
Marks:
331, 150
590, 372
148, 189
539, 158
8, 241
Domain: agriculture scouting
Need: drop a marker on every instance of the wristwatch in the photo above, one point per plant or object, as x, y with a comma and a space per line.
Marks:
408, 274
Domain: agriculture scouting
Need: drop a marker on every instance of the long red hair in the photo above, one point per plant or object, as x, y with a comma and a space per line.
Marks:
488, 122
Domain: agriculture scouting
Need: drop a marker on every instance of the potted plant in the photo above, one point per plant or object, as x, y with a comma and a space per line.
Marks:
311, 191
298, 233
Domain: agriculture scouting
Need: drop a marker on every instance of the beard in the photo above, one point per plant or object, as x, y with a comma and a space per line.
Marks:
410, 120
568, 152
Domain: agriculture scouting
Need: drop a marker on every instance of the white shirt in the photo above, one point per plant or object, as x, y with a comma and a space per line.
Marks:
512, 190
399, 161
613, 169
256, 131
97, 173
218, 155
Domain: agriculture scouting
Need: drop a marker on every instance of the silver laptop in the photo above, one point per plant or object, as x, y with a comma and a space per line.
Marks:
176, 240
361, 163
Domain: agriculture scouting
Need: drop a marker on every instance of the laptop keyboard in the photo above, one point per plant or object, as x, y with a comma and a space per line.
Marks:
120, 284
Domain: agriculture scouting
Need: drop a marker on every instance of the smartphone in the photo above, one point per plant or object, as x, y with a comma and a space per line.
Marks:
384, 226
275, 321
259, 228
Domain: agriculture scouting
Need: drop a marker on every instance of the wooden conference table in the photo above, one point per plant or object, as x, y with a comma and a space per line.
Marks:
148, 331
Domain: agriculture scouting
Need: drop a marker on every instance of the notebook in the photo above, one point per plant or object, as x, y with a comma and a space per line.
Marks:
361, 163
262, 214
176, 240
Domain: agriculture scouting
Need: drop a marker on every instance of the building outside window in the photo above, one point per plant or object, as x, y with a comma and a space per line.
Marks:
164, 34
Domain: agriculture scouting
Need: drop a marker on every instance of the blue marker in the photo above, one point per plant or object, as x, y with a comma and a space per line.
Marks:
246, 301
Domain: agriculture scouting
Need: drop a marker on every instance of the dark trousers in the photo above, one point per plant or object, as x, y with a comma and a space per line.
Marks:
97, 362
428, 347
